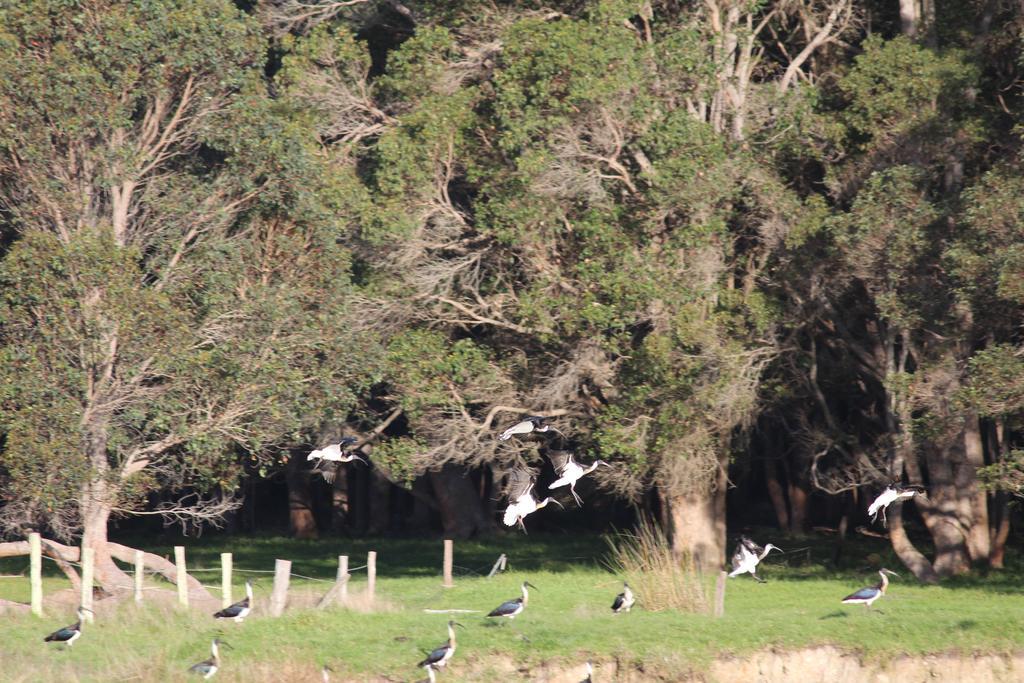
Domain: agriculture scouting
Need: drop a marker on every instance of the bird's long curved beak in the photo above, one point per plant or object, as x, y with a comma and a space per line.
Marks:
460, 625
531, 585
889, 571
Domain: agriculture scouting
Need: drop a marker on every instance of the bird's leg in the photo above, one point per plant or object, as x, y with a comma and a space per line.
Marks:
523, 526
758, 578
572, 489
885, 522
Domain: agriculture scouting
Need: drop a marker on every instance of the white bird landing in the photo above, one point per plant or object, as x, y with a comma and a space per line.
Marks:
748, 555
521, 500
569, 471
892, 494
530, 423
329, 458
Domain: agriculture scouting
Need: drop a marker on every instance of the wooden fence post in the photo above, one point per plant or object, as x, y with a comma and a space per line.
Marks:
499, 565
140, 573
448, 552
88, 557
371, 574
35, 547
279, 596
180, 575
339, 591
720, 594
225, 579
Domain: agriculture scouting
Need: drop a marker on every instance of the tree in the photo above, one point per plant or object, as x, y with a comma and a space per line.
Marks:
176, 290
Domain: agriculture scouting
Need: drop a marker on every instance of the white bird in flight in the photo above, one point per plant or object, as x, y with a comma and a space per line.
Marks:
891, 494
521, 500
748, 555
530, 423
569, 471
329, 458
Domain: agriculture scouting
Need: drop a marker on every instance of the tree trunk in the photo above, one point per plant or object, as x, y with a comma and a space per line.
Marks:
798, 501
380, 503
771, 475
978, 539
910, 17
917, 563
301, 522
943, 514
698, 524
461, 513
96, 509
340, 501
1001, 533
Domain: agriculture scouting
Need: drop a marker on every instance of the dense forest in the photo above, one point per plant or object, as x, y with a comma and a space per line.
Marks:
761, 257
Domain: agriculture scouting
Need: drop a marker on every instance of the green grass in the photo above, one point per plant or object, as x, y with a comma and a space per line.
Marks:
567, 621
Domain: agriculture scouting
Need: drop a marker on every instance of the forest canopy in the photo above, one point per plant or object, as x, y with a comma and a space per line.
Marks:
776, 247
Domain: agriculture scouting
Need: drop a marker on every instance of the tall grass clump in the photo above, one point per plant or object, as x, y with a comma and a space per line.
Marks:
661, 578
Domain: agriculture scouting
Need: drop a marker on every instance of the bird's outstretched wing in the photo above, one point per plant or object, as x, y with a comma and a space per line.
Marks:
329, 471
751, 546
560, 459
520, 481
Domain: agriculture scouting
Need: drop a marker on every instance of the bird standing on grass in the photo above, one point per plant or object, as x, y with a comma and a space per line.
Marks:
748, 555
239, 610
624, 600
866, 596
569, 471
521, 500
330, 458
208, 667
440, 655
69, 634
510, 608
891, 494
530, 423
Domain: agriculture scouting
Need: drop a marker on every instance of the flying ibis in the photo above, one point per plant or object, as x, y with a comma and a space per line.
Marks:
239, 610
530, 423
892, 493
521, 500
510, 608
748, 555
440, 655
69, 634
866, 596
569, 471
208, 667
330, 458
624, 600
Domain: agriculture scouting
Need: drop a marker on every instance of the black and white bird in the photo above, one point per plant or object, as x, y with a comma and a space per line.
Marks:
325, 673
892, 493
748, 555
520, 498
624, 600
866, 596
330, 458
530, 423
239, 610
511, 608
69, 634
439, 656
569, 471
208, 667
590, 674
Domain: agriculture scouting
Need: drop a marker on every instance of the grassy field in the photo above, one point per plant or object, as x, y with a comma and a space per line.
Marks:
567, 622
